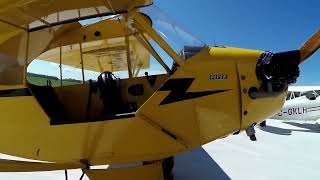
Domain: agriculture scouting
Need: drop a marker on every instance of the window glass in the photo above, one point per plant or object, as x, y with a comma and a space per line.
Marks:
104, 55
111, 55
288, 96
97, 56
171, 31
164, 56
43, 73
46, 69
71, 65
296, 94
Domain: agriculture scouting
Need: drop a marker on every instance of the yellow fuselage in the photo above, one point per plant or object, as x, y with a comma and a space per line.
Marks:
164, 125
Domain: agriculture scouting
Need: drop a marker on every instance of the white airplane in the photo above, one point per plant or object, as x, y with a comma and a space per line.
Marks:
302, 103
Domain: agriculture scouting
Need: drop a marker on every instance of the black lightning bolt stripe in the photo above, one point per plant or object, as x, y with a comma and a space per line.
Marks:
179, 87
15, 92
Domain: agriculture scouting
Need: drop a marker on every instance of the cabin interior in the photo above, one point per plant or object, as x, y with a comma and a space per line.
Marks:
111, 54
98, 93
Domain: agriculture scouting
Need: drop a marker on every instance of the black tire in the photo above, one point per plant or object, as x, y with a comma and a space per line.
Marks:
167, 167
263, 124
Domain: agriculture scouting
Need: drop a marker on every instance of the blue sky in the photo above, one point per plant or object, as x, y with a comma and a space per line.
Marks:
272, 25
265, 24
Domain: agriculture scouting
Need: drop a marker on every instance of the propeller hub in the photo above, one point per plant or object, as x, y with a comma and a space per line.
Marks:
276, 71
279, 68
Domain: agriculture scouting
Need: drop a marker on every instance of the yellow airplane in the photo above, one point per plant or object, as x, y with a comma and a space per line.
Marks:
208, 93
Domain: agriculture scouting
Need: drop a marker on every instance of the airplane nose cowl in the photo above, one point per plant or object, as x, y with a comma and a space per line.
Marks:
276, 71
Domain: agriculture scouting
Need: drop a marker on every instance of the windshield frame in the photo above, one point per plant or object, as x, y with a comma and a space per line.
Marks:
170, 30
144, 26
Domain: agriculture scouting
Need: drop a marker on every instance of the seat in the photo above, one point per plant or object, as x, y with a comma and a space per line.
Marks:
108, 86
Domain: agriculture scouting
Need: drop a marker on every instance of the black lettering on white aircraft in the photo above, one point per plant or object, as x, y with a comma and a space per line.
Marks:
294, 111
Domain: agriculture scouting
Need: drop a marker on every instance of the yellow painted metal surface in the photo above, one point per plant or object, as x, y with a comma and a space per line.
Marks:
6, 87
203, 118
157, 131
26, 132
147, 88
12, 61
146, 172
24, 166
255, 110
252, 110
109, 28
7, 31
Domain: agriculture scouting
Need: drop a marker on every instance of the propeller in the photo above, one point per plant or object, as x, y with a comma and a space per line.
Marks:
310, 47
278, 70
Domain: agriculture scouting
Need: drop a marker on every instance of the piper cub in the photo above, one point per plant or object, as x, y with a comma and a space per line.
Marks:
205, 93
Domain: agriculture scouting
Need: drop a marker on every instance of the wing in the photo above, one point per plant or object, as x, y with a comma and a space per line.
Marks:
35, 14
25, 166
99, 56
303, 88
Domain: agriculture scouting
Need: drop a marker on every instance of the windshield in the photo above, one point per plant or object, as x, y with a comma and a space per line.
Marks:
177, 37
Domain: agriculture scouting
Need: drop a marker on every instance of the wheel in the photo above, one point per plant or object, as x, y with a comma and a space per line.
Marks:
167, 167
263, 124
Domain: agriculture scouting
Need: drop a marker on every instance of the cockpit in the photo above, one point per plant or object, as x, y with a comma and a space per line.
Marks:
105, 67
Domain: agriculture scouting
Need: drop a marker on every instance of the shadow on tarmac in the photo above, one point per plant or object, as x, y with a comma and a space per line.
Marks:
276, 130
310, 128
197, 164
314, 128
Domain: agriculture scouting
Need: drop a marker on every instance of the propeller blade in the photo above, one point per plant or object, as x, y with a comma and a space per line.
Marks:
309, 47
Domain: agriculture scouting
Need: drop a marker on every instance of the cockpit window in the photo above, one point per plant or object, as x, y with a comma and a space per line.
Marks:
312, 95
293, 94
288, 96
178, 38
297, 94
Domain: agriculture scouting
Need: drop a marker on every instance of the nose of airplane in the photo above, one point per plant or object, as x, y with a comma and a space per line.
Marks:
278, 70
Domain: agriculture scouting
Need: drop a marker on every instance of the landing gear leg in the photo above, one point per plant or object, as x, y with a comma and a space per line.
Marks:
263, 124
251, 133
167, 167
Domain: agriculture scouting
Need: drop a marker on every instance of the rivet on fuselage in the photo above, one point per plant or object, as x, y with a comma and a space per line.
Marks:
245, 113
245, 91
242, 77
